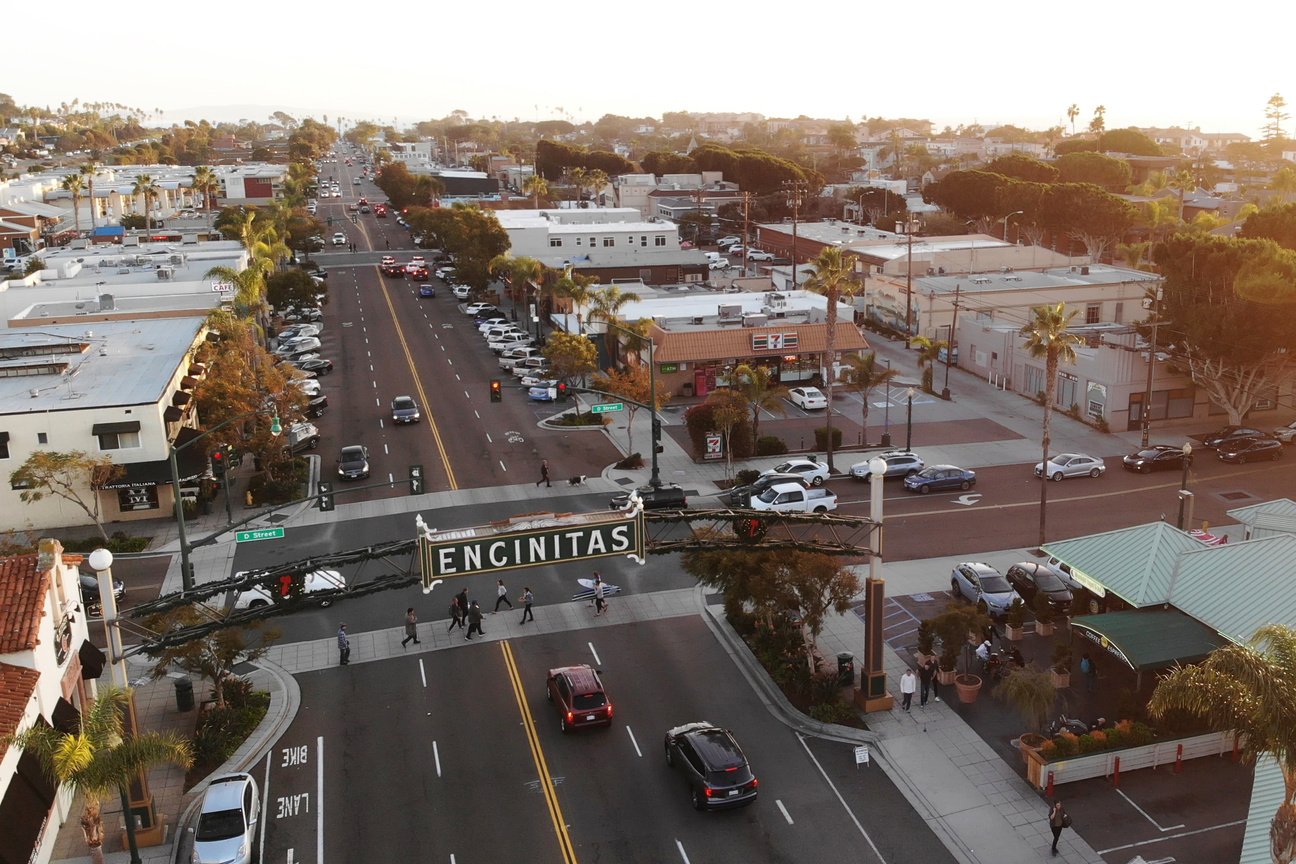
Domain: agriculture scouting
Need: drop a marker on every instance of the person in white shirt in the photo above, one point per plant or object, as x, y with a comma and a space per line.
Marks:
908, 686
501, 596
983, 652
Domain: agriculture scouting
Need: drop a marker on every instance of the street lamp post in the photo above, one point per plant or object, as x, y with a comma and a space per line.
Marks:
1184, 494
909, 422
1152, 347
886, 411
186, 569
1005, 222
654, 479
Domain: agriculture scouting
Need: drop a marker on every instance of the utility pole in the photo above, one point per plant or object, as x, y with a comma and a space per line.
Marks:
794, 189
909, 229
1151, 361
949, 346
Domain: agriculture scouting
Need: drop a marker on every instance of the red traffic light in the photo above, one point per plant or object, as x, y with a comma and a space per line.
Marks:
496, 393
218, 463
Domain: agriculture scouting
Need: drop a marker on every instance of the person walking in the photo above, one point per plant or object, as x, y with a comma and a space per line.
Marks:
594, 588
526, 600
475, 620
935, 678
1057, 820
544, 473
456, 614
463, 603
501, 596
411, 627
926, 675
344, 645
908, 685
1090, 672
600, 605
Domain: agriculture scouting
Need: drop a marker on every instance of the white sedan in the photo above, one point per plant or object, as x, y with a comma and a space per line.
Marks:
1071, 465
808, 398
814, 472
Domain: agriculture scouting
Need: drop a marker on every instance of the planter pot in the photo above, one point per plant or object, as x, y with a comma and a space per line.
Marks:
968, 686
1015, 634
1029, 743
1061, 679
1042, 629
946, 677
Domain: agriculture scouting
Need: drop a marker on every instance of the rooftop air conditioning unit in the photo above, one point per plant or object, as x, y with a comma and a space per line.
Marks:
1084, 271
755, 320
696, 319
106, 303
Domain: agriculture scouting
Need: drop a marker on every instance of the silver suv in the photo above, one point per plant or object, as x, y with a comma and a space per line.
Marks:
975, 581
900, 463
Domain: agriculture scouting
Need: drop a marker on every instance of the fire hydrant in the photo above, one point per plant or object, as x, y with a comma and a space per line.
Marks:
247, 498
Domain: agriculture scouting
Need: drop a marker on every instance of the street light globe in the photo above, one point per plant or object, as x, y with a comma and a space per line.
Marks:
1187, 449
100, 560
877, 466
275, 426
912, 392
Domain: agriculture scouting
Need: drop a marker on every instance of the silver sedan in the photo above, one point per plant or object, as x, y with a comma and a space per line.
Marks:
1071, 465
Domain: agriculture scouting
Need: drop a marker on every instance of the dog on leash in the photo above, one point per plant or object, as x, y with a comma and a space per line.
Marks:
577, 480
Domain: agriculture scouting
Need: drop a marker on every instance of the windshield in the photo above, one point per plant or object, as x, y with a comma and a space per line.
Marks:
221, 825
1047, 580
769, 495
995, 584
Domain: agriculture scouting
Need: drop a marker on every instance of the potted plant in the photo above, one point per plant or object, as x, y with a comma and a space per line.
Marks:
926, 642
1015, 621
1044, 614
1061, 664
954, 627
1031, 694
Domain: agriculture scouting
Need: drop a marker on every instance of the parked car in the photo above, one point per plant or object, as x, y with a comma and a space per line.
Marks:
318, 366
1286, 434
302, 436
758, 255
472, 309
1071, 465
808, 398
316, 407
1158, 457
975, 581
713, 765
1031, 577
503, 346
899, 463
228, 821
719, 264
578, 695
741, 496
1251, 450
460, 292
729, 240
1229, 434
814, 471
353, 462
309, 386
668, 496
311, 583
940, 478
545, 391
405, 410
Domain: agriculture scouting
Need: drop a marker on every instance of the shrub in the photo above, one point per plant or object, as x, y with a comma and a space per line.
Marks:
35, 264
1016, 616
1043, 609
1092, 742
1065, 746
926, 638
833, 712
118, 542
1061, 658
1116, 739
823, 688
746, 476
821, 437
221, 730
1140, 734
700, 420
577, 418
770, 445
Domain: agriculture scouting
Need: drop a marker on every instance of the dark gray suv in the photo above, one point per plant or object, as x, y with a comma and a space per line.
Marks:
712, 764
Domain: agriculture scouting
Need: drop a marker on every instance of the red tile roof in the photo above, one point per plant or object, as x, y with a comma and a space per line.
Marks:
16, 688
22, 597
730, 343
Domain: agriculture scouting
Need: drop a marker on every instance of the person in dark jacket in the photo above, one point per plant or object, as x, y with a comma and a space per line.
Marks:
475, 620
456, 614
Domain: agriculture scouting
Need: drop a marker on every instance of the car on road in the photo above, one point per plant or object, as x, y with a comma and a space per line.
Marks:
426, 290
899, 463
339, 239
729, 240
668, 496
1251, 450
735, 248
1071, 465
310, 583
975, 581
353, 462
393, 270
713, 765
758, 255
578, 695
741, 496
418, 273
1157, 457
1286, 434
302, 436
808, 398
1029, 578
405, 410
940, 478
719, 264
813, 471
318, 366
1228, 435
228, 821
445, 273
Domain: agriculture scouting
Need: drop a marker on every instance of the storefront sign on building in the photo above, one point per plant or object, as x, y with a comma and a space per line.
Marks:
714, 446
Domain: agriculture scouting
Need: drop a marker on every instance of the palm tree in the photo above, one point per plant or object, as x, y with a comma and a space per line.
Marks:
88, 171
578, 289
1249, 690
756, 385
145, 189
1047, 336
537, 187
929, 351
865, 374
606, 304
833, 279
75, 184
249, 285
1072, 113
97, 761
205, 184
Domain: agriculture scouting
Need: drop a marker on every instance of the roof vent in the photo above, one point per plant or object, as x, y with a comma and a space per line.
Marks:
89, 334
33, 392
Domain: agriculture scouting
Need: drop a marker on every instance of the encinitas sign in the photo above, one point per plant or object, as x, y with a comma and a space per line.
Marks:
528, 541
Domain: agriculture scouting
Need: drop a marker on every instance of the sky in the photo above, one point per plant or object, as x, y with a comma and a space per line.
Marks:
1188, 64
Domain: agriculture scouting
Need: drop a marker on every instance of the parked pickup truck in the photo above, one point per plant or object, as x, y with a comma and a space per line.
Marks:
795, 498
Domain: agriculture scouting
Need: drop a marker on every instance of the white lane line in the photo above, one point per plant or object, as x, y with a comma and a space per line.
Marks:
377, 404
489, 439
635, 743
595, 653
380, 423
503, 467
1145, 815
450, 360
783, 810
842, 800
466, 396
386, 452
423, 672
683, 854
370, 367
391, 479
319, 797
1171, 837
477, 414
436, 757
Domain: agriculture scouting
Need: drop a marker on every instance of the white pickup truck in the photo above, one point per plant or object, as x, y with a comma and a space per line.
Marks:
795, 498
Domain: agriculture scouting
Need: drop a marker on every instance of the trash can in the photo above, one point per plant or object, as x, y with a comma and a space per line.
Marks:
845, 669
184, 694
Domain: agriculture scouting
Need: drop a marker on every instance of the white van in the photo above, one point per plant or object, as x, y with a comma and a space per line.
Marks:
316, 580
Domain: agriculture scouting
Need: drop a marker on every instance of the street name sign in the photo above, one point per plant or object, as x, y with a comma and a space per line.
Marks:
258, 534
607, 407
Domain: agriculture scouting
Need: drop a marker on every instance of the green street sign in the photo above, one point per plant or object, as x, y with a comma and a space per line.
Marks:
258, 534
607, 407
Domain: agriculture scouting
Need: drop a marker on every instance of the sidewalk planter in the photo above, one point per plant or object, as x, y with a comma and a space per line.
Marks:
946, 676
1043, 629
1061, 680
1015, 634
1015, 621
1030, 743
1103, 764
968, 686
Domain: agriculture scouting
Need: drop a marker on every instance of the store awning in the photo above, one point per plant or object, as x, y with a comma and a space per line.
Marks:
191, 461
115, 428
1149, 638
181, 398
172, 414
65, 717
92, 661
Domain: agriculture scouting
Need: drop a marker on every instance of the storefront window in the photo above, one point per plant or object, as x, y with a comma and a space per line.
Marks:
137, 498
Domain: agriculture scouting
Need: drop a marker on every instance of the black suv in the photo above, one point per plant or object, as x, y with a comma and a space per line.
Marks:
713, 765
578, 694
668, 497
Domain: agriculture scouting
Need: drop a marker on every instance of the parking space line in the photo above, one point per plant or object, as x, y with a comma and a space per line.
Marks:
319, 797
595, 653
783, 810
1145, 815
634, 743
840, 799
1171, 837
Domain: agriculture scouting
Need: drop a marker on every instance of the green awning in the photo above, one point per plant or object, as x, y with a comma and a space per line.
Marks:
1149, 638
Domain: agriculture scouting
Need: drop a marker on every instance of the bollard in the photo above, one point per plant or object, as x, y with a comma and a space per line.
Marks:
1178, 768
1048, 787
1116, 773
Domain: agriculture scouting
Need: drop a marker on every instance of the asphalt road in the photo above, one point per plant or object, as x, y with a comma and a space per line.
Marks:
447, 752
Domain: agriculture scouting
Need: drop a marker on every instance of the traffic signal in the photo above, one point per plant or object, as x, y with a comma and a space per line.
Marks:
218, 462
562, 391
497, 393
325, 497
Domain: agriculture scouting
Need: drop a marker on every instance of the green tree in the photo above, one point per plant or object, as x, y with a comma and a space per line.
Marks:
97, 760
577, 289
862, 375
1106, 172
633, 384
75, 184
88, 170
834, 278
537, 187
728, 411
1275, 117
147, 190
1099, 121
1087, 213
1248, 690
75, 476
1047, 335
1031, 693
206, 184
760, 390
606, 303
1019, 166
929, 351
1073, 111
1273, 223
213, 656
570, 357
1130, 141
292, 287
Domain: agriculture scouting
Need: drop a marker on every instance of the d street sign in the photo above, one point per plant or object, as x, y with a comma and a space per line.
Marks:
606, 407
258, 534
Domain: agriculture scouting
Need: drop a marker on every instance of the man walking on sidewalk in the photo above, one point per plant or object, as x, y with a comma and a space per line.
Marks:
526, 600
599, 603
474, 620
501, 596
344, 645
411, 627
544, 474
908, 685
456, 614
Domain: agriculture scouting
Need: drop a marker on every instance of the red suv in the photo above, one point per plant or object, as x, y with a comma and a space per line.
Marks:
577, 693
